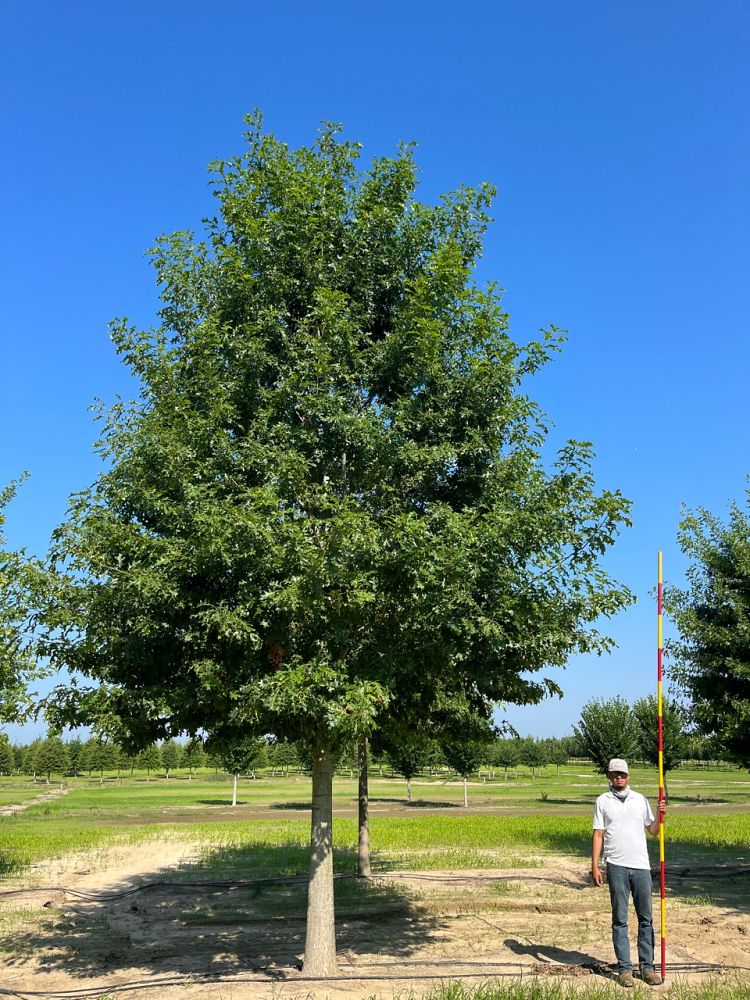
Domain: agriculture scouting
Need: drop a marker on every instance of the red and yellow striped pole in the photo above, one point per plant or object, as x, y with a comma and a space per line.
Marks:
661, 777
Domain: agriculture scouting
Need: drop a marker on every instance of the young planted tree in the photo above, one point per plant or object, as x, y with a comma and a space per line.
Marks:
464, 756
533, 753
74, 748
149, 759
506, 753
7, 757
170, 756
712, 653
331, 492
51, 757
240, 756
99, 755
408, 758
675, 737
607, 729
192, 755
556, 752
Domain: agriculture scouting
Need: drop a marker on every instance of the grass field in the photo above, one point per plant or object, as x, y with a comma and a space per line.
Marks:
432, 831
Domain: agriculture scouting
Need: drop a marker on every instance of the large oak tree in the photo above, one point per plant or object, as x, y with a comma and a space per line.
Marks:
330, 497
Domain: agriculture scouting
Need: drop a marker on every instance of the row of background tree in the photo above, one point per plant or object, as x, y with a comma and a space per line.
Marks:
605, 729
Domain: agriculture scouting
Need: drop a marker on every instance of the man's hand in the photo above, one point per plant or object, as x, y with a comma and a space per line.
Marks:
597, 875
653, 829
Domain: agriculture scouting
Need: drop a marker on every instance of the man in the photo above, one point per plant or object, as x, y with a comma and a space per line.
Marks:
621, 817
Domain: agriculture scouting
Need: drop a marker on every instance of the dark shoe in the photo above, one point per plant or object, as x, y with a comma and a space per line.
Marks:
652, 978
626, 979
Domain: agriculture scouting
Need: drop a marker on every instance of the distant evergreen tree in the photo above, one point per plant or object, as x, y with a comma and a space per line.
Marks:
74, 748
51, 757
170, 756
7, 758
192, 755
149, 759
29, 758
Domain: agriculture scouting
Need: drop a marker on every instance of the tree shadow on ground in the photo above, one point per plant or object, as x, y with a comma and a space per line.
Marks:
569, 802
237, 909
432, 804
226, 802
290, 805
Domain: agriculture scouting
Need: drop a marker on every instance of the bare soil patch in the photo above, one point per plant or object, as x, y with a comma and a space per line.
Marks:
108, 922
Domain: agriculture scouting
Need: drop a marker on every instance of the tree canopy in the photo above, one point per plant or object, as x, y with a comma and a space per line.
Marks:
330, 496
607, 729
712, 653
19, 580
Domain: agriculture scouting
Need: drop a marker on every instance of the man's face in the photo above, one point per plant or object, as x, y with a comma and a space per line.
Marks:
618, 779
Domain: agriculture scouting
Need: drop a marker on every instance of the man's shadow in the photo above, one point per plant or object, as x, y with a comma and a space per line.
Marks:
561, 956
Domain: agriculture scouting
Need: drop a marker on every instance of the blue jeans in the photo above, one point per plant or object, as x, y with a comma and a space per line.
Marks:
622, 883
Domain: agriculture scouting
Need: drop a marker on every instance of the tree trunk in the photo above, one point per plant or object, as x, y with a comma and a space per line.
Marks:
408, 789
320, 940
363, 850
466, 795
234, 791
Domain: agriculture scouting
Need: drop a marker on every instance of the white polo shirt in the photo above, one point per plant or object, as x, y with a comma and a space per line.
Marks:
624, 822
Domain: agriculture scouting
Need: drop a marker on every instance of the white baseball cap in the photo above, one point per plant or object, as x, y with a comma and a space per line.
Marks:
618, 764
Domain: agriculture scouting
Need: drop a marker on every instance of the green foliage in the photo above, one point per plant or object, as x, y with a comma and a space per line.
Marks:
712, 654
192, 755
149, 758
408, 757
506, 753
282, 755
464, 756
170, 755
533, 753
607, 729
51, 756
20, 583
98, 755
7, 757
646, 713
557, 751
330, 497
243, 756
74, 748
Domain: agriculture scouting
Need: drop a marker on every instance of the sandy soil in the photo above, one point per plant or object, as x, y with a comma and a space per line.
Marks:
404, 930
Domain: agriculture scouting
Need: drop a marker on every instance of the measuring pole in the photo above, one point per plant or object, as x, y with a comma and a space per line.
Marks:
661, 777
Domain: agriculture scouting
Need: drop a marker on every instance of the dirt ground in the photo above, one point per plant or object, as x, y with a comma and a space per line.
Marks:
98, 926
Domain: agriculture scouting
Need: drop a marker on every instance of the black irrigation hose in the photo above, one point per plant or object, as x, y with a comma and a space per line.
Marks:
301, 879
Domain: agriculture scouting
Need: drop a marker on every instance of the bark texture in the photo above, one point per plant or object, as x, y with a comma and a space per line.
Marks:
320, 940
363, 847
234, 791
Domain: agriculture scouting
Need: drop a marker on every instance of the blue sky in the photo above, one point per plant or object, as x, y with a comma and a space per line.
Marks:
617, 135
